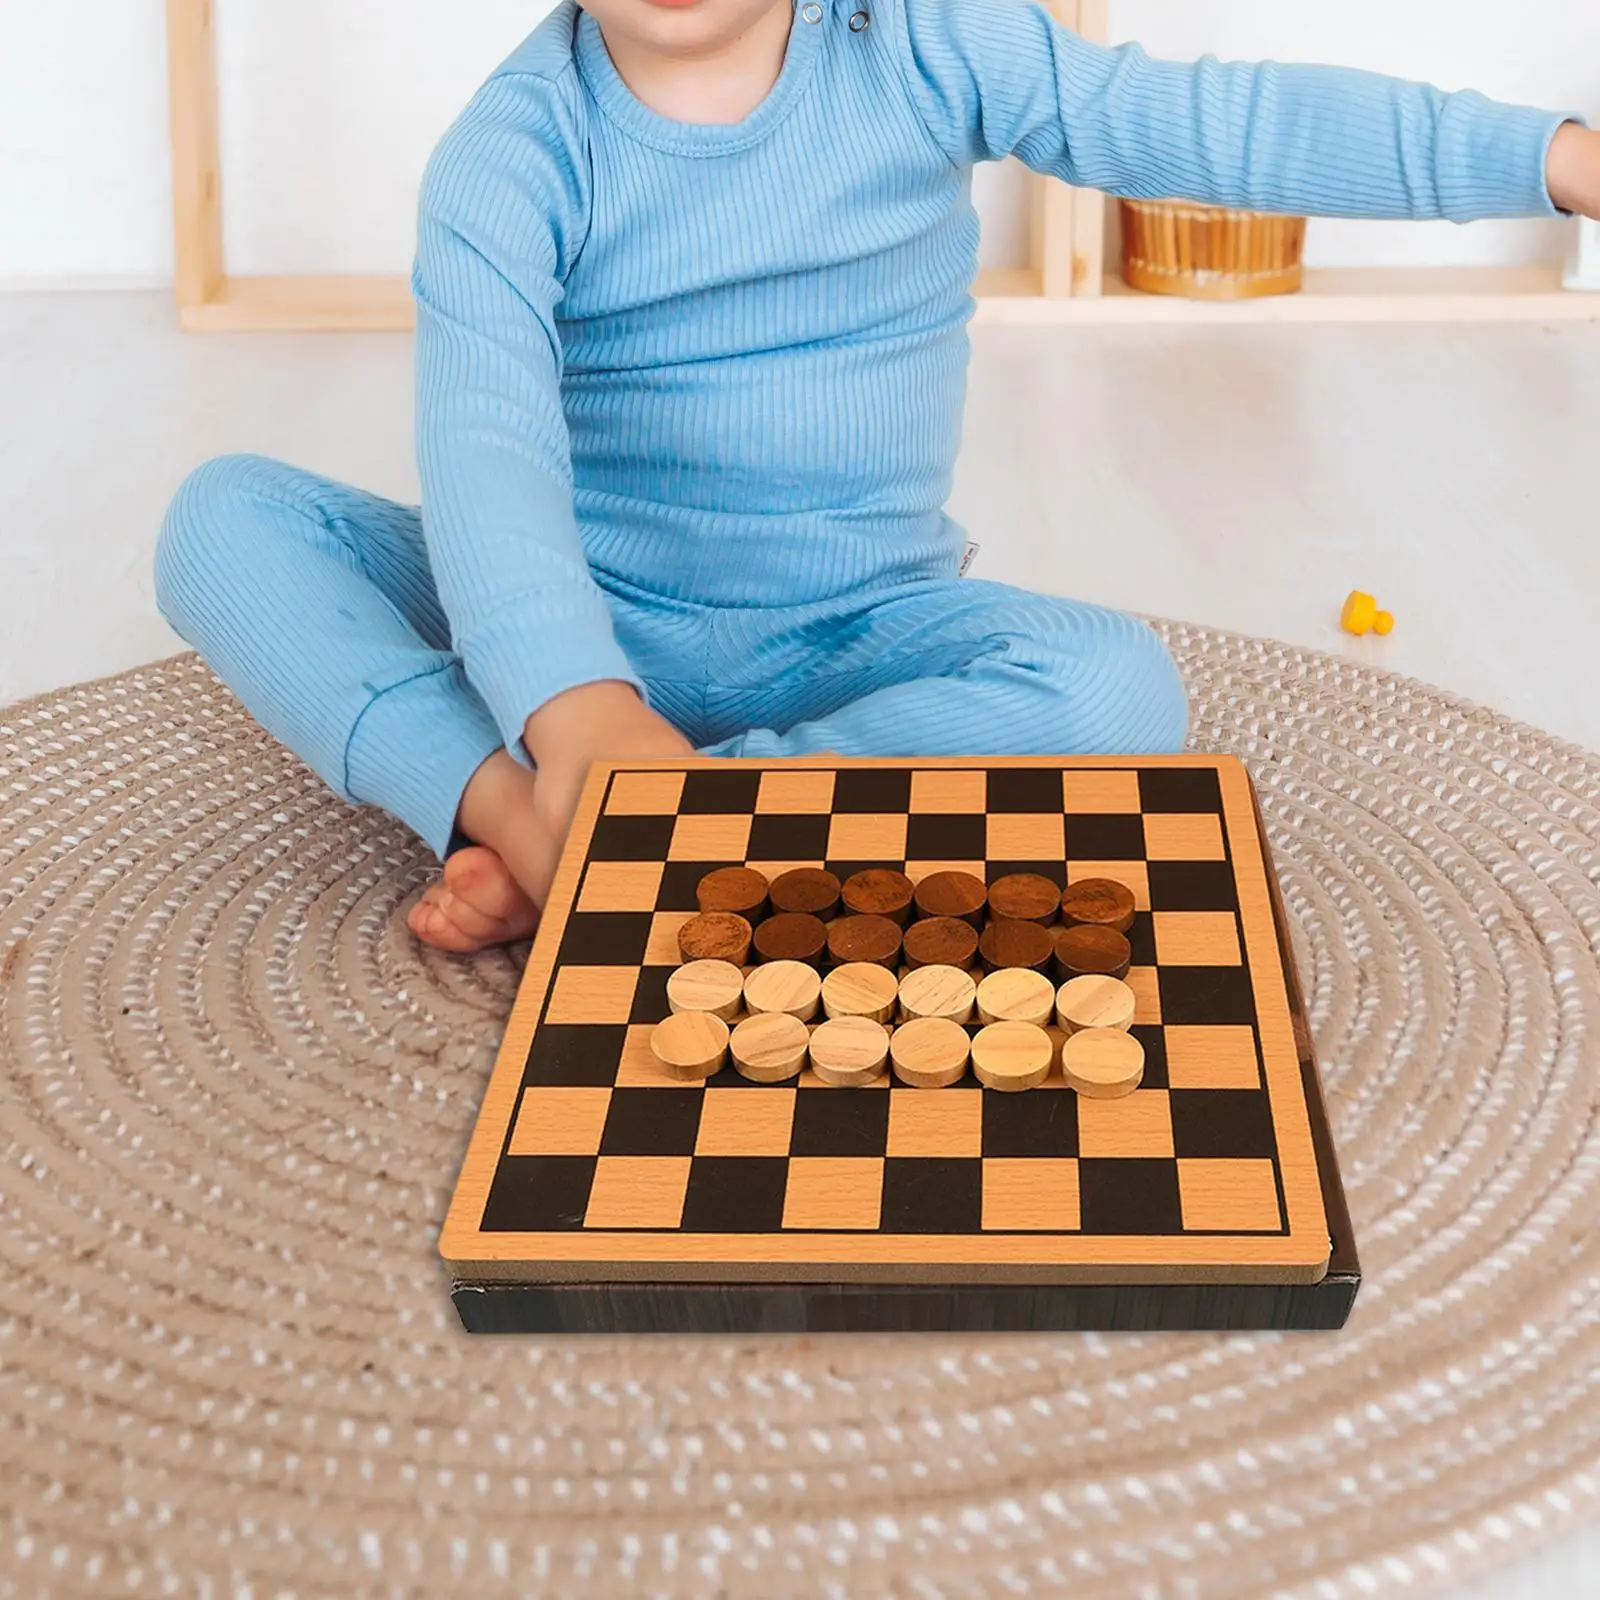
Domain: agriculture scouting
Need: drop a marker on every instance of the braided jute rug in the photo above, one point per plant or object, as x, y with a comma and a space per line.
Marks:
234, 1094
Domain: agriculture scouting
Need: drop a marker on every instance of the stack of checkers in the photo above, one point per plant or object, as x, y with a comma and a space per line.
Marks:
855, 978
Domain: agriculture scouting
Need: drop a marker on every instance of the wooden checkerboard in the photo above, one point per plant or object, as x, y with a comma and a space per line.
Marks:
600, 1192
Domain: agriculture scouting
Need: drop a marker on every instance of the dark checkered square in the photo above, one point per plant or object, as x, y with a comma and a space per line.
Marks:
866, 789
1122, 1195
736, 1194
1154, 1041
652, 1122
626, 838
680, 879
1043, 1123
605, 938
1141, 938
538, 1194
1206, 995
650, 996
1106, 836
840, 1122
1179, 789
778, 836
955, 836
1193, 886
1033, 789
575, 1055
924, 1194
723, 793
1222, 1123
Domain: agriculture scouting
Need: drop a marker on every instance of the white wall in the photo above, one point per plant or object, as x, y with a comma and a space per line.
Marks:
330, 107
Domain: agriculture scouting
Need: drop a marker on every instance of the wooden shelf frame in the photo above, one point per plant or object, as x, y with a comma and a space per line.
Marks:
1067, 280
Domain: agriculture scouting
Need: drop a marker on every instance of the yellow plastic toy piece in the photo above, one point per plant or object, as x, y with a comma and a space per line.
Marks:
1361, 615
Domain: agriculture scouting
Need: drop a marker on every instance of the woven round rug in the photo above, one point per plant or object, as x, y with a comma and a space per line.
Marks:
234, 1095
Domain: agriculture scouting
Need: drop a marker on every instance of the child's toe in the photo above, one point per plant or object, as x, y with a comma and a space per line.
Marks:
479, 880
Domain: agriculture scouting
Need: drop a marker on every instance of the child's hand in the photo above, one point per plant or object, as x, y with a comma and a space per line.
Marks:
597, 721
1573, 170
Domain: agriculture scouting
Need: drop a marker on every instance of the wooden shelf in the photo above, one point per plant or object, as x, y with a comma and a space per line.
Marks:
304, 305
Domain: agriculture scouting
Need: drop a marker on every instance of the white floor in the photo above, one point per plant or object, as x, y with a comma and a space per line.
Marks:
1246, 479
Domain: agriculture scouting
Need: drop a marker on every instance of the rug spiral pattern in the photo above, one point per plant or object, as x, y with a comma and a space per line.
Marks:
234, 1094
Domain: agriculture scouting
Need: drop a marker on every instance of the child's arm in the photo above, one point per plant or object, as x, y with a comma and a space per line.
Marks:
1002, 77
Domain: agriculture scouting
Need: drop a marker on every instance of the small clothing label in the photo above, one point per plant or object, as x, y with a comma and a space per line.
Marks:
967, 557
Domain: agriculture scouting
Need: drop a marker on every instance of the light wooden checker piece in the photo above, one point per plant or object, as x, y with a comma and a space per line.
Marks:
849, 1052
1095, 1001
1102, 1063
788, 986
579, 1199
930, 1052
938, 991
713, 986
691, 1045
1016, 994
860, 989
770, 1047
1012, 1056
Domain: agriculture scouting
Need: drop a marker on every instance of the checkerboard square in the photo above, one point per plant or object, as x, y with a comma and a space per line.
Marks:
948, 792
932, 1195
711, 836
735, 1194
724, 791
1146, 993
916, 870
734, 1123
1155, 1056
652, 1122
867, 836
559, 1122
1037, 1196
1212, 996
1183, 836
1026, 836
1137, 1125
650, 996
1106, 839
637, 1192
661, 948
680, 880
922, 1124
1085, 791
644, 794
1029, 789
787, 836
620, 886
630, 838
574, 1055
1121, 1196
1197, 939
1141, 936
538, 1194
1032, 1124
846, 1122
1179, 789
1212, 1058
953, 836
1134, 875
1193, 886
636, 1064
592, 994
1222, 1123
604, 938
1229, 1196
834, 1192
795, 793
881, 789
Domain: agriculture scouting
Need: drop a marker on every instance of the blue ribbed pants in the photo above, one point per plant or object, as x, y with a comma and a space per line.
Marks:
314, 603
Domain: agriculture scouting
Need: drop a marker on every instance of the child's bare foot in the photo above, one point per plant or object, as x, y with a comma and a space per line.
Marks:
477, 903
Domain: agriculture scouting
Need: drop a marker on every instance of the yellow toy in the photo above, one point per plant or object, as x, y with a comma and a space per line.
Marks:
1361, 615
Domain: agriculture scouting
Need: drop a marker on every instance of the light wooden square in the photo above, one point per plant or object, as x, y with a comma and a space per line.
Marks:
638, 1067
745, 1122
948, 1124
1134, 875
1183, 836
592, 994
1137, 1125
795, 794
637, 1192
1030, 1196
947, 792
644, 794
1026, 836
661, 950
620, 886
834, 1192
1092, 792
1229, 1196
1146, 985
867, 836
715, 836
1212, 1058
916, 871
560, 1122
1197, 939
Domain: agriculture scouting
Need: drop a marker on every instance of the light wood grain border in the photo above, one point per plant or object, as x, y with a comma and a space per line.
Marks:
1299, 1256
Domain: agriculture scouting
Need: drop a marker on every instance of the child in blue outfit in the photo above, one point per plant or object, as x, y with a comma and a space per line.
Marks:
692, 290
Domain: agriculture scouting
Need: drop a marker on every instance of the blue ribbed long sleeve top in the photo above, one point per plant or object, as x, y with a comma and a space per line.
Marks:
726, 363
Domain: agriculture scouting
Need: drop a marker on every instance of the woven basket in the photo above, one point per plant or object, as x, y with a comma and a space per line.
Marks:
1210, 252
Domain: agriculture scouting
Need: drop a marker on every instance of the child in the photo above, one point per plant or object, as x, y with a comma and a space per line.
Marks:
692, 286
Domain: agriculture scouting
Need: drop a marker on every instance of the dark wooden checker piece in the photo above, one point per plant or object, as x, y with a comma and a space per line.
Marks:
1098, 902
738, 889
1025, 897
953, 894
812, 891
1091, 949
1011, 942
865, 938
791, 936
716, 936
879, 892
941, 942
